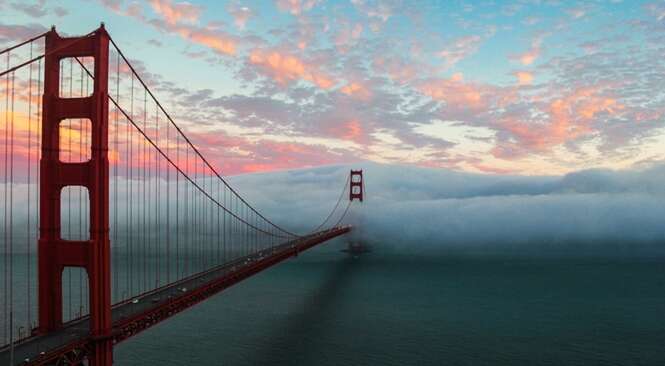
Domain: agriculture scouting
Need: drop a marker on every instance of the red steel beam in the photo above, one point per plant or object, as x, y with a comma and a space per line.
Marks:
126, 328
54, 253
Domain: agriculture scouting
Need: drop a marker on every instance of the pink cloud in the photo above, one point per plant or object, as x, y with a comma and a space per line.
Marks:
456, 92
377, 13
460, 49
532, 54
285, 68
17, 33
397, 70
176, 13
221, 43
352, 131
356, 90
296, 7
524, 77
173, 16
240, 13
568, 118
348, 36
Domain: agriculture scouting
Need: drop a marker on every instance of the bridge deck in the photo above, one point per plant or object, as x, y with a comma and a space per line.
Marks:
140, 313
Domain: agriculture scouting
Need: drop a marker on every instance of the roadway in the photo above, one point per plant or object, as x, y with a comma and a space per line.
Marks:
74, 335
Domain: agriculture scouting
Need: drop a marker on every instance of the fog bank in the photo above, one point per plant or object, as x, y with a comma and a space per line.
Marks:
414, 209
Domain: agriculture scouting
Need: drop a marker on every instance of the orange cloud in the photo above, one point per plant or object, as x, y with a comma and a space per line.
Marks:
524, 77
353, 130
400, 71
455, 92
356, 90
209, 39
569, 117
175, 13
270, 155
285, 68
529, 57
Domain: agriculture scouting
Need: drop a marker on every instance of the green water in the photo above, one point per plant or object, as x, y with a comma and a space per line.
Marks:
325, 308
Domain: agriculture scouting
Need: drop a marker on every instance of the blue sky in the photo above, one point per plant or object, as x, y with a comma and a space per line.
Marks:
526, 87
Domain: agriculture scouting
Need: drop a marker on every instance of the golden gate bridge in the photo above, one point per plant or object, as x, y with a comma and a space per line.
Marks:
112, 219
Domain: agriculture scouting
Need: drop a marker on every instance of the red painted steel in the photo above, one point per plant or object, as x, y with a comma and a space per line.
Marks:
130, 327
92, 337
79, 349
356, 181
55, 253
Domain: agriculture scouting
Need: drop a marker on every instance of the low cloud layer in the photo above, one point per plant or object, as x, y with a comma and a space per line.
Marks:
413, 209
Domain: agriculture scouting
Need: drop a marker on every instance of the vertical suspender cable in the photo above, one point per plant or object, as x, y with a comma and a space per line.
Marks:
38, 145
128, 270
28, 243
130, 191
157, 199
81, 150
11, 223
177, 209
168, 213
69, 191
142, 162
144, 207
186, 218
219, 226
116, 240
86, 203
5, 232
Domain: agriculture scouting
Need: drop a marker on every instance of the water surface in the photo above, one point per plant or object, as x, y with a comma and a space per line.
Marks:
325, 308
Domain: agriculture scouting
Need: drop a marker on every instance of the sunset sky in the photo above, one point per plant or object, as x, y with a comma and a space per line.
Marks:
519, 87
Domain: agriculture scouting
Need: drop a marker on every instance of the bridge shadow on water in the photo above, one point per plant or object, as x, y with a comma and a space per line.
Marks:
294, 338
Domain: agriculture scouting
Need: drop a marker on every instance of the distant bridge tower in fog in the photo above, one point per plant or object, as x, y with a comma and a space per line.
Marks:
357, 185
356, 191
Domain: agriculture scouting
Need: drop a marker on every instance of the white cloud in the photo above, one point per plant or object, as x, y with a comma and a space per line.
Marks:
412, 209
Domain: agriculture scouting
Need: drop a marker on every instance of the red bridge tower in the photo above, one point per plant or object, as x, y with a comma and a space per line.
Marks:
54, 253
357, 186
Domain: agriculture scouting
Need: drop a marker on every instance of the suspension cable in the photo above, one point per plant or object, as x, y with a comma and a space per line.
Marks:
23, 43
57, 49
343, 214
339, 200
207, 163
165, 156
